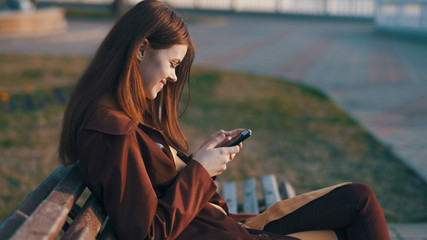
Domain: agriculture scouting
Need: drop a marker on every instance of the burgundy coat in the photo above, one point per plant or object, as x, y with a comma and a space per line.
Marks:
144, 195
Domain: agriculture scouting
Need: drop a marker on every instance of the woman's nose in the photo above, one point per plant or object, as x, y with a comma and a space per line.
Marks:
172, 77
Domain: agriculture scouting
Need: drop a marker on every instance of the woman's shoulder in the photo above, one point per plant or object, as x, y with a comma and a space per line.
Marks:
107, 120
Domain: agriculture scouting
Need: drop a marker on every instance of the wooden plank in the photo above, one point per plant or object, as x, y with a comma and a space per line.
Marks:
33, 200
88, 222
270, 190
250, 196
286, 190
48, 218
229, 193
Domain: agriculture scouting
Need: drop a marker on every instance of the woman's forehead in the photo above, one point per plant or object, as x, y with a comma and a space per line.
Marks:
174, 52
177, 51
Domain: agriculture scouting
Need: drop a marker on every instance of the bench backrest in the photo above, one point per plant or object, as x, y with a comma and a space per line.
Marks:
255, 198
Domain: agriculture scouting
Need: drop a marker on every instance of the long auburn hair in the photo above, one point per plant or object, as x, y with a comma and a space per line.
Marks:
114, 70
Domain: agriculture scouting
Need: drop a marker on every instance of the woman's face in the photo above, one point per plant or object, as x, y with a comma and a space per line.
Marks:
157, 67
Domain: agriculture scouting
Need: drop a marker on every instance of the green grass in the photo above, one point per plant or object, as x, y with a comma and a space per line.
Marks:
28, 153
90, 13
298, 134
35, 72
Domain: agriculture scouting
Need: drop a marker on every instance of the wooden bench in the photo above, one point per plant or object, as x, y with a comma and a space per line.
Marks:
58, 209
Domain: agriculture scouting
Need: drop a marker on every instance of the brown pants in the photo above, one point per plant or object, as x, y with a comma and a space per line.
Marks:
352, 211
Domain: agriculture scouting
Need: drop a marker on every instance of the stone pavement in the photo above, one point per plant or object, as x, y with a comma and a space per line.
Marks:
381, 81
416, 231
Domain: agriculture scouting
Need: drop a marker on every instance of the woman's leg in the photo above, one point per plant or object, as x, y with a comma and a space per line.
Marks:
352, 208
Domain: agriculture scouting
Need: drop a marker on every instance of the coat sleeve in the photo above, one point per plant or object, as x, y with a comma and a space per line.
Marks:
113, 168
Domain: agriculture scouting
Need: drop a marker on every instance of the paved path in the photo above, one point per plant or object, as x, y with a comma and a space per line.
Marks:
381, 81
417, 231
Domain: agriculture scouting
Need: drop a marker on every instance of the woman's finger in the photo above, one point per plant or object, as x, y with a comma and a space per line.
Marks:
229, 150
234, 132
211, 137
215, 141
230, 134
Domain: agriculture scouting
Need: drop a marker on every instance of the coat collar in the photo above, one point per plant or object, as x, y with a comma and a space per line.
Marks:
110, 121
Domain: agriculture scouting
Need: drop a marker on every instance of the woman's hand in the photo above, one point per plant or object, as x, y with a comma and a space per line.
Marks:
214, 159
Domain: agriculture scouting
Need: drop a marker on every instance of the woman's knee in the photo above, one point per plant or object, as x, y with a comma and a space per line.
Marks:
363, 195
362, 190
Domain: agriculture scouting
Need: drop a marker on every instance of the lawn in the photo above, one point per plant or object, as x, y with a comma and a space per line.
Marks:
298, 133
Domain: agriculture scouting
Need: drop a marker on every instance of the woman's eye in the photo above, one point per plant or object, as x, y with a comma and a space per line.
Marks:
172, 65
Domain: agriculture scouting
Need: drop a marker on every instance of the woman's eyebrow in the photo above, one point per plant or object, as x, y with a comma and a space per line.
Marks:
176, 61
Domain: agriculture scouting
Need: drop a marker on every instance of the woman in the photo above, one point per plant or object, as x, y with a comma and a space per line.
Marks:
121, 124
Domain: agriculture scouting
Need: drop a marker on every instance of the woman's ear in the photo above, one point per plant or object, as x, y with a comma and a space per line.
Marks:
141, 49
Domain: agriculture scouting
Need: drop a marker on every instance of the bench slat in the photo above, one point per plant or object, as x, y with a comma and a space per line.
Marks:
229, 193
33, 200
88, 222
48, 218
286, 190
250, 196
270, 190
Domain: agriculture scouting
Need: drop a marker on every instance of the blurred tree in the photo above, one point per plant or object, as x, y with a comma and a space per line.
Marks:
119, 7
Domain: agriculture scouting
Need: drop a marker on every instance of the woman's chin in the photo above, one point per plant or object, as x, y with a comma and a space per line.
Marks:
152, 96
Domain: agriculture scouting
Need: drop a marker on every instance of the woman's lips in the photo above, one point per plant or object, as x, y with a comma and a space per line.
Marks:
162, 84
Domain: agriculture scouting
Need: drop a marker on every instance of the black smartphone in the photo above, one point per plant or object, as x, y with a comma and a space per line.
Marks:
238, 138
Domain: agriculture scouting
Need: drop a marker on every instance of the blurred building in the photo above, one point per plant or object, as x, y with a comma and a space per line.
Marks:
399, 15
395, 15
349, 8
402, 15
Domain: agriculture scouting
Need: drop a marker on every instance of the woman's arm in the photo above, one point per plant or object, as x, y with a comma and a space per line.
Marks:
114, 169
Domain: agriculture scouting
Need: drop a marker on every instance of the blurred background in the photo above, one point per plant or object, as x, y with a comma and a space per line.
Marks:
333, 90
